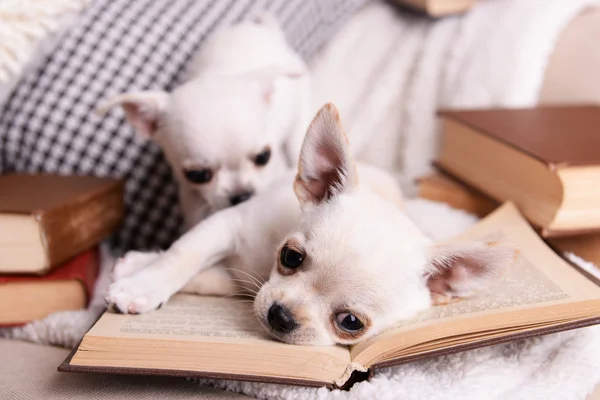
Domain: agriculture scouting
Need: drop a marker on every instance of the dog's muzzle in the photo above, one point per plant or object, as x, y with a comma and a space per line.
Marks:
281, 319
240, 198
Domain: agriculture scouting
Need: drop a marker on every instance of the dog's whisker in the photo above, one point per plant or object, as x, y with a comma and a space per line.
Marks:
258, 276
240, 294
250, 300
259, 282
243, 301
251, 291
247, 289
254, 275
247, 281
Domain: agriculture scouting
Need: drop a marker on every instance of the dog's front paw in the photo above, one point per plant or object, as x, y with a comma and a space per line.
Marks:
132, 262
138, 293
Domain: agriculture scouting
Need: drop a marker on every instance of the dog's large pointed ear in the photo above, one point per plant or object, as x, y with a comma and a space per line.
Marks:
142, 109
459, 270
325, 167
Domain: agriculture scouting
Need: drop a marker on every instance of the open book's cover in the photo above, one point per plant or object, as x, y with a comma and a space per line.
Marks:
66, 366
559, 136
356, 376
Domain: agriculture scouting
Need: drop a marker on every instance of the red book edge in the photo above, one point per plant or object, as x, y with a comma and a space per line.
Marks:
83, 267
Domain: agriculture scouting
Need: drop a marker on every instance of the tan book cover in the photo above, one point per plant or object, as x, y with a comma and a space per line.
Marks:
543, 159
47, 219
24, 298
442, 188
219, 337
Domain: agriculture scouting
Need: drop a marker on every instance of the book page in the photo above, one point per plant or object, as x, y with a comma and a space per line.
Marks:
207, 335
539, 277
538, 262
187, 317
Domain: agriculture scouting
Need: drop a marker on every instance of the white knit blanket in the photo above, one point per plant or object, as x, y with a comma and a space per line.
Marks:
388, 73
29, 30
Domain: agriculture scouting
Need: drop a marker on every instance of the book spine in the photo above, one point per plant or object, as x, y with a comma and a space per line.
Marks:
77, 227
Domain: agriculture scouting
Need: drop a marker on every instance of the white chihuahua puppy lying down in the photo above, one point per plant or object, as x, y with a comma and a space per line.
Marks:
236, 124
343, 261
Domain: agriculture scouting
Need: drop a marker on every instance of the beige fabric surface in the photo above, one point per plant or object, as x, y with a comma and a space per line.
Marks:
28, 371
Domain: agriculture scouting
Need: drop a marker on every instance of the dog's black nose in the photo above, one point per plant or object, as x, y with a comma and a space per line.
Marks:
280, 319
239, 198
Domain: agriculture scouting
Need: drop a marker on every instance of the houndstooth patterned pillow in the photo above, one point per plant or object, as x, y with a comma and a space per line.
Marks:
48, 124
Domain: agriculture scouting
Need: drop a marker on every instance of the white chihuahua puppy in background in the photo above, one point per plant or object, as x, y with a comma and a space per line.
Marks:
343, 261
237, 122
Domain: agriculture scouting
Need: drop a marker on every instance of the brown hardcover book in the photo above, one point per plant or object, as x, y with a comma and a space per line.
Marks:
24, 298
47, 219
438, 8
218, 337
440, 187
545, 160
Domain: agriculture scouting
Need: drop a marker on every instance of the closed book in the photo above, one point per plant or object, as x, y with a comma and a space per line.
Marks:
544, 159
24, 298
438, 8
442, 188
202, 336
47, 219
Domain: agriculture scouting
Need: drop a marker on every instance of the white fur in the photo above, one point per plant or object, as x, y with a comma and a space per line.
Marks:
246, 91
362, 254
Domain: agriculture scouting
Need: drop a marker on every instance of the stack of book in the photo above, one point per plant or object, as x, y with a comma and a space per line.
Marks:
545, 159
50, 228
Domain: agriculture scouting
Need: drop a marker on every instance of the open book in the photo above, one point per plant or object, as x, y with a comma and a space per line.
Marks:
220, 337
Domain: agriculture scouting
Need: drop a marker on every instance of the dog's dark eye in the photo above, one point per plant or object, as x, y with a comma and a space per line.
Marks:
290, 258
198, 175
348, 322
263, 157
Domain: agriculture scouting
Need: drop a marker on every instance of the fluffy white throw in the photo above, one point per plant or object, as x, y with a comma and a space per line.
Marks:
389, 72
29, 30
